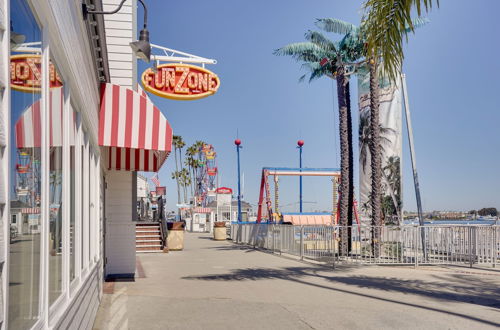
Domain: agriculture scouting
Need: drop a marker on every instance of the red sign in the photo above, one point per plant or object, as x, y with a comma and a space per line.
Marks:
224, 190
161, 191
26, 73
180, 81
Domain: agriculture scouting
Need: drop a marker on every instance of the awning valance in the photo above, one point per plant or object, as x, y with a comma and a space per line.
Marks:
202, 210
133, 130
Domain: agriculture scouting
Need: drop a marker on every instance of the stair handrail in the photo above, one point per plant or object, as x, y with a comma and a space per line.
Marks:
163, 232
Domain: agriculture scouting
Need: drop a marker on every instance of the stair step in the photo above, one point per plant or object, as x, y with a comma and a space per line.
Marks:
149, 251
148, 238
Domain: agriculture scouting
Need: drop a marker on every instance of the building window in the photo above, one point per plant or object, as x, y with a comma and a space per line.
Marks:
90, 202
25, 174
72, 218
55, 119
85, 201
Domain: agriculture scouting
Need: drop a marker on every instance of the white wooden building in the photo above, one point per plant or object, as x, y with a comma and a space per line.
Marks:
69, 153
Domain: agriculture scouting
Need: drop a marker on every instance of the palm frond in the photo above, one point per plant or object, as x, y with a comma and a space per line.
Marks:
386, 24
304, 51
295, 49
318, 73
335, 25
418, 22
320, 40
315, 69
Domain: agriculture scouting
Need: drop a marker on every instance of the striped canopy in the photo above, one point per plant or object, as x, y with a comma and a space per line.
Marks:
28, 128
202, 210
132, 130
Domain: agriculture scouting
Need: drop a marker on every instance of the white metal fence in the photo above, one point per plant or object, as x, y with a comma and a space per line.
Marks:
432, 244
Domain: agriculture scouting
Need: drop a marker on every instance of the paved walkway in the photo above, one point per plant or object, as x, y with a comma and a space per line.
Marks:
218, 285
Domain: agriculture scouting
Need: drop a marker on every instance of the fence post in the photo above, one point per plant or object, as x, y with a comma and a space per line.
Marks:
495, 247
281, 237
332, 241
274, 238
415, 244
301, 242
470, 247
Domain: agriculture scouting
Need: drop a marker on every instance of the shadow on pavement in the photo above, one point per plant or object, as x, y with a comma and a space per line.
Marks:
447, 287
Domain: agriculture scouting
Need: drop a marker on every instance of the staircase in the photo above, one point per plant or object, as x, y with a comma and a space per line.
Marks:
148, 237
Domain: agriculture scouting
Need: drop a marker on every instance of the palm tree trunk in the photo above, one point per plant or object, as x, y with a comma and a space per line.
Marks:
177, 177
344, 157
350, 213
376, 161
191, 173
181, 168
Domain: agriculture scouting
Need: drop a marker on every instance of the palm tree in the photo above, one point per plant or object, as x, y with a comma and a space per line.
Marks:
355, 38
341, 57
185, 181
175, 142
181, 144
386, 23
192, 164
375, 157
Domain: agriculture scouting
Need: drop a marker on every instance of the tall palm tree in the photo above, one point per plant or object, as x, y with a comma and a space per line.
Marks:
386, 23
355, 39
200, 166
375, 156
175, 142
339, 65
191, 163
185, 181
181, 144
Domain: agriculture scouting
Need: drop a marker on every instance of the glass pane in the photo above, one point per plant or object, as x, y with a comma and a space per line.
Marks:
89, 200
72, 228
84, 208
25, 173
55, 118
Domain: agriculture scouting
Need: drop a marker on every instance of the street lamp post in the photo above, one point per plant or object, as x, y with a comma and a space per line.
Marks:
300, 143
237, 142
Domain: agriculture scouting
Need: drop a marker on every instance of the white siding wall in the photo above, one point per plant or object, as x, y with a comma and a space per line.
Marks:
81, 312
120, 31
121, 186
120, 229
4, 108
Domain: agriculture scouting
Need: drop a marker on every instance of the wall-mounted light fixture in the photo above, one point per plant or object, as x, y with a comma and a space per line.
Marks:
141, 47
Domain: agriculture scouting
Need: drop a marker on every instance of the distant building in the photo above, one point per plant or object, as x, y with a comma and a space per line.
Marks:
222, 208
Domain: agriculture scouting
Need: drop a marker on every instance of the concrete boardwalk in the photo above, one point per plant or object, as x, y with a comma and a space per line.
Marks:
219, 285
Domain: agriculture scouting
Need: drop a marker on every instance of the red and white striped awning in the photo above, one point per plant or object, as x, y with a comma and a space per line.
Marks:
134, 131
202, 210
30, 210
28, 128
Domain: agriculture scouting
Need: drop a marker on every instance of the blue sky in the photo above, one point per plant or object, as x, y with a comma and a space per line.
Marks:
452, 78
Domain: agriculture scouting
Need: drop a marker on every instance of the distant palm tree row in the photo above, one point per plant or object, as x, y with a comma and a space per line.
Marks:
186, 171
377, 41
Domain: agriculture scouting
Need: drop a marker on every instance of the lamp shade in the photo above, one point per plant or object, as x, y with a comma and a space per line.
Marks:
142, 47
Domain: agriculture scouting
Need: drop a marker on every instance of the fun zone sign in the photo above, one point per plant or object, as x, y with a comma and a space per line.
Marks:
180, 81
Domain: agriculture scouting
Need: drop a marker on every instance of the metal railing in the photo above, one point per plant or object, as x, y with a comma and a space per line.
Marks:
430, 244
